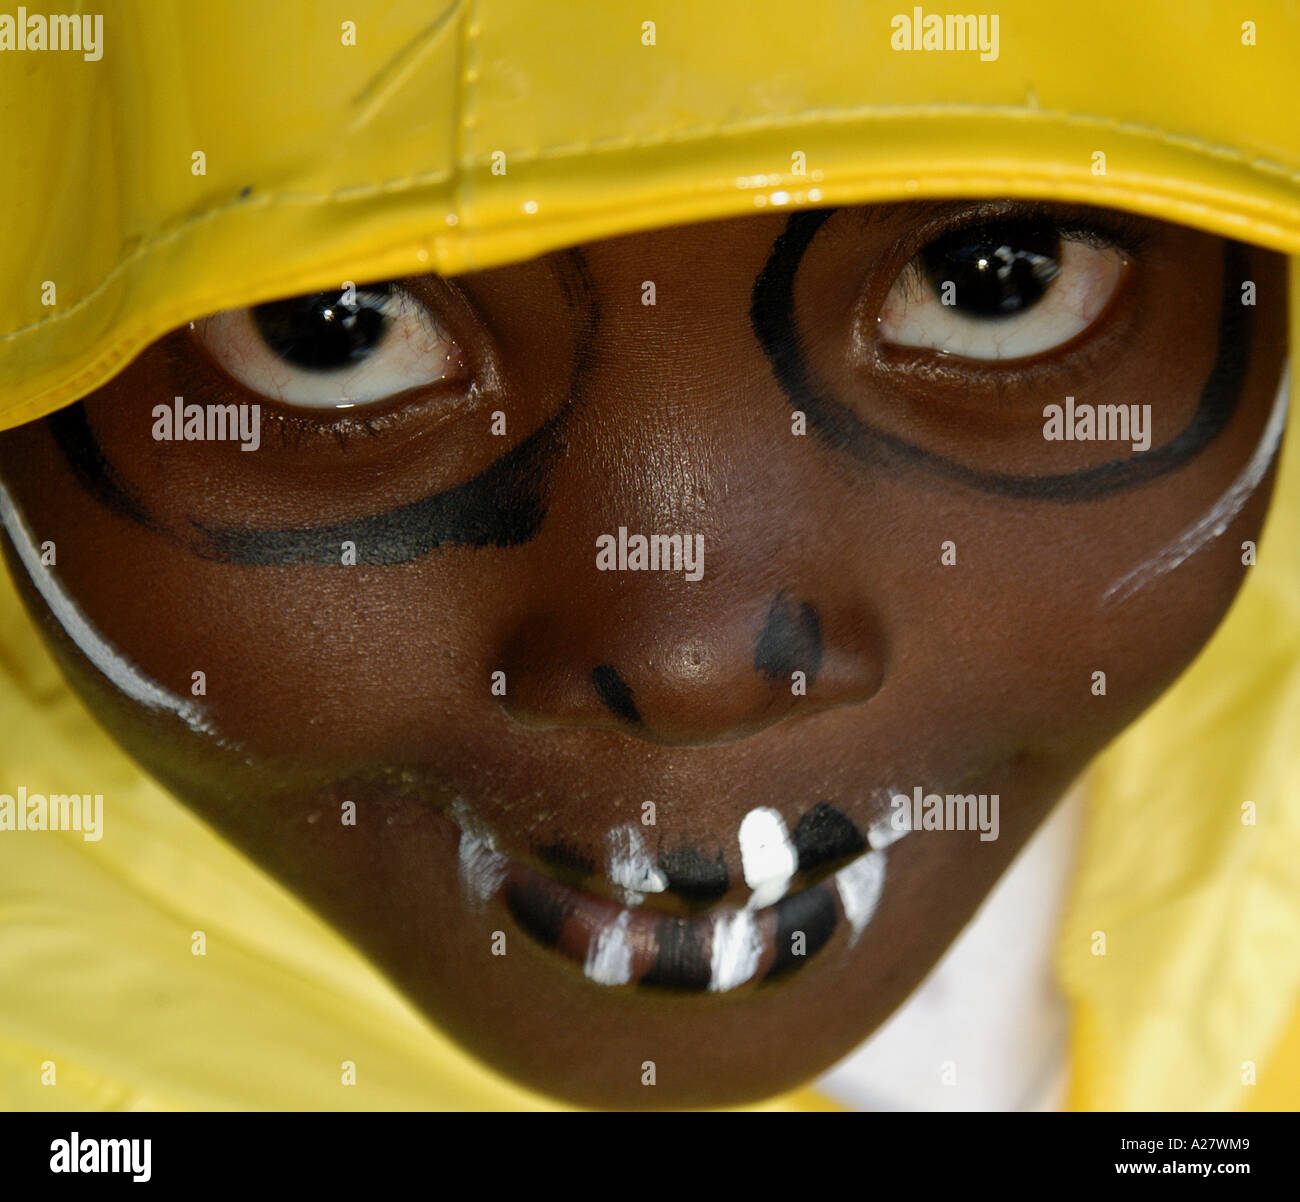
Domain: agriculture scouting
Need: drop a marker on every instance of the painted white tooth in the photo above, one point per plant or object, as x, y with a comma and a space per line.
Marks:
859, 885
609, 959
890, 826
767, 856
737, 946
482, 871
630, 865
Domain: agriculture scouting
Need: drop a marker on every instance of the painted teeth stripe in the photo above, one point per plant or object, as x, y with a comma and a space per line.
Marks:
767, 856
737, 947
609, 959
630, 864
859, 886
889, 827
482, 871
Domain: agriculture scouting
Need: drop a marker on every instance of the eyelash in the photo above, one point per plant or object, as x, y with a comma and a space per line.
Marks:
1123, 232
291, 430
1107, 230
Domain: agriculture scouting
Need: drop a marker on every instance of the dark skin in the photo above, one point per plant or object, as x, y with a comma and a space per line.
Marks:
371, 683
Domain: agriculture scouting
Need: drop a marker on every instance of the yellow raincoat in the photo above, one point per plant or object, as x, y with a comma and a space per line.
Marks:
222, 154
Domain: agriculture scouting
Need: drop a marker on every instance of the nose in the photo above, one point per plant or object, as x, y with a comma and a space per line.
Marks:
689, 671
677, 430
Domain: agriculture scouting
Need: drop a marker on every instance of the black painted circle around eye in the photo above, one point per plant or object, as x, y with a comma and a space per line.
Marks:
997, 270
772, 316
320, 331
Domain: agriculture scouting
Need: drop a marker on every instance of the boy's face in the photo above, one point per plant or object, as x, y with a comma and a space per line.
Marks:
661, 810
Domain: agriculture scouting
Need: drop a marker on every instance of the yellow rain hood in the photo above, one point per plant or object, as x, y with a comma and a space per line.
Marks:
218, 155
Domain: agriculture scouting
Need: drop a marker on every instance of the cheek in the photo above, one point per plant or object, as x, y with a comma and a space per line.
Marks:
1219, 516
325, 665
1014, 649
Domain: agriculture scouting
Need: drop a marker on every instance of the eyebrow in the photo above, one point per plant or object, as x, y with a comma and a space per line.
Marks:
772, 315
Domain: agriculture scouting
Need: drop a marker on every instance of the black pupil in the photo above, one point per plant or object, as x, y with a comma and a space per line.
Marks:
320, 331
996, 270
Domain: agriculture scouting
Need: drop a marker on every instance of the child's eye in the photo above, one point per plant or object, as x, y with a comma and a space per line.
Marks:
333, 350
1006, 290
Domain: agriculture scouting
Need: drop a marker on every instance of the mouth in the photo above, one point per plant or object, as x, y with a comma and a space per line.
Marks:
718, 949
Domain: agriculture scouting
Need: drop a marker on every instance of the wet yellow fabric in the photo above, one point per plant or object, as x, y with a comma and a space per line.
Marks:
97, 975
218, 155
1190, 866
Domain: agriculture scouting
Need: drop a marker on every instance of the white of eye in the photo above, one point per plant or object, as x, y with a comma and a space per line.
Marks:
914, 314
414, 350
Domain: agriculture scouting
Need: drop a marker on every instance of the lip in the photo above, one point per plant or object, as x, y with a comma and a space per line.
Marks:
717, 951
631, 945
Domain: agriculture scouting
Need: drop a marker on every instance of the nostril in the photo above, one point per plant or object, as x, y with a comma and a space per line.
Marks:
615, 693
742, 666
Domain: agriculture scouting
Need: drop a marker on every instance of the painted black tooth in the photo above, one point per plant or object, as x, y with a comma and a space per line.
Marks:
824, 835
566, 863
811, 911
682, 960
540, 912
692, 876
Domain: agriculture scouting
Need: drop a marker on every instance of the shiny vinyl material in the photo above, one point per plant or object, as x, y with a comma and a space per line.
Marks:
222, 154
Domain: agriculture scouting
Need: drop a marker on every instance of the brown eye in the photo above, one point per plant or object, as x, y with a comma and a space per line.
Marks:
995, 270
333, 350
1003, 291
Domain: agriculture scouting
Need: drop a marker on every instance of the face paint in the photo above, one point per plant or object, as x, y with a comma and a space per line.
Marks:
767, 856
859, 886
694, 877
772, 315
790, 641
890, 826
824, 835
737, 946
614, 693
565, 861
609, 962
861, 883
482, 869
810, 913
681, 957
1220, 515
120, 672
630, 865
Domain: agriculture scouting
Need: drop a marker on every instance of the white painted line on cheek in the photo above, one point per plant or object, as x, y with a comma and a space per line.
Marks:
859, 885
116, 668
767, 856
1220, 516
609, 959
